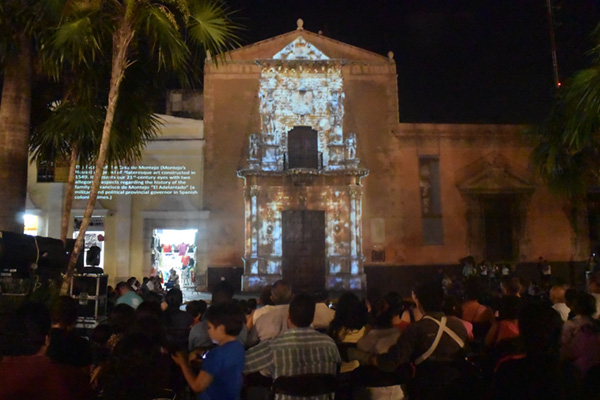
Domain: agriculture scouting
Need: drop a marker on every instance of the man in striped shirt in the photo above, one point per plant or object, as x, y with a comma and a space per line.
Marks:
299, 350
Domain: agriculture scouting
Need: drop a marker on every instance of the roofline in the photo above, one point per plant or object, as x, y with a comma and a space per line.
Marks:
300, 32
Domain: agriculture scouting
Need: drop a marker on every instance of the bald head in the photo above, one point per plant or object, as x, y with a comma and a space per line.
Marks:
281, 293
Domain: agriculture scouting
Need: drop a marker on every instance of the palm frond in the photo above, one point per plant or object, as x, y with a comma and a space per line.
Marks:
581, 99
212, 27
67, 123
77, 39
159, 25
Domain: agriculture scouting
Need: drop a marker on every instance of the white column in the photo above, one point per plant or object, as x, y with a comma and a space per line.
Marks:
354, 234
254, 220
122, 243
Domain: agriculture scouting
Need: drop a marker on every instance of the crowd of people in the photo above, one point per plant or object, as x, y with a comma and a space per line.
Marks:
448, 340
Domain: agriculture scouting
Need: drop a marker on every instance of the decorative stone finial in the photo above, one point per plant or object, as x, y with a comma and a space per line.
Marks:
208, 56
391, 55
300, 24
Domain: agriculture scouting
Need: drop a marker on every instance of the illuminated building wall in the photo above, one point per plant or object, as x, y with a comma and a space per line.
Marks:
253, 100
423, 202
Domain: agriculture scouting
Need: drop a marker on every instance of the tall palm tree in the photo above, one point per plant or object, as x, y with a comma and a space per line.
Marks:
567, 144
69, 123
22, 24
130, 22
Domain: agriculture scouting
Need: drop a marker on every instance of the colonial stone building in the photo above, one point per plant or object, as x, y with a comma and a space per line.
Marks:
310, 175
302, 170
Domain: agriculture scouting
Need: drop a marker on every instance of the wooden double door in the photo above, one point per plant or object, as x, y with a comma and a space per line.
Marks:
303, 261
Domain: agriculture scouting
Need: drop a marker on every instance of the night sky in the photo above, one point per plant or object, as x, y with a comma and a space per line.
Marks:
472, 61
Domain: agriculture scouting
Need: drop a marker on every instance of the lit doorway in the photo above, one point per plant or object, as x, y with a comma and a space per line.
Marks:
31, 224
174, 252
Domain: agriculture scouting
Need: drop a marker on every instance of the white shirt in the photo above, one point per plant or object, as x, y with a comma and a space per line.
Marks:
260, 312
323, 316
563, 310
273, 323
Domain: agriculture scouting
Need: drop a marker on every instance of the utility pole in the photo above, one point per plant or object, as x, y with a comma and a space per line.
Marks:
550, 15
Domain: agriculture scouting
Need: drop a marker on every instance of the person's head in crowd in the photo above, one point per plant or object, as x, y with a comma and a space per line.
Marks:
121, 318
148, 309
122, 288
511, 286
429, 295
196, 309
100, 334
174, 299
557, 294
152, 327
133, 283
27, 331
321, 296
63, 312
384, 318
473, 290
451, 306
373, 296
594, 282
229, 315
540, 328
243, 304
281, 293
153, 296
252, 304
133, 370
571, 297
264, 299
393, 299
222, 293
145, 280
509, 307
380, 306
585, 304
302, 311
350, 312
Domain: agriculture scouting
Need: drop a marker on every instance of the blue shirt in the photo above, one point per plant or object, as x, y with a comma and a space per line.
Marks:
199, 338
131, 299
225, 364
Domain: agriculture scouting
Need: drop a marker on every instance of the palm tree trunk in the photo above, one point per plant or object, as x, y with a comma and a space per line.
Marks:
15, 110
66, 217
121, 40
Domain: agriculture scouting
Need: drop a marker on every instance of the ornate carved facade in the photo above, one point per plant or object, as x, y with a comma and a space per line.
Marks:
302, 160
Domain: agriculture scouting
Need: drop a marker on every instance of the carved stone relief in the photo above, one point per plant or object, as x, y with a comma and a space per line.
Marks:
302, 94
300, 49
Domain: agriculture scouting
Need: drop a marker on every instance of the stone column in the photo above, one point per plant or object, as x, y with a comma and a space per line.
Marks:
354, 229
254, 220
251, 239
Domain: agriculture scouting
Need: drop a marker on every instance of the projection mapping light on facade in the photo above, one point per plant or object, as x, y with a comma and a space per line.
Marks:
301, 107
300, 49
